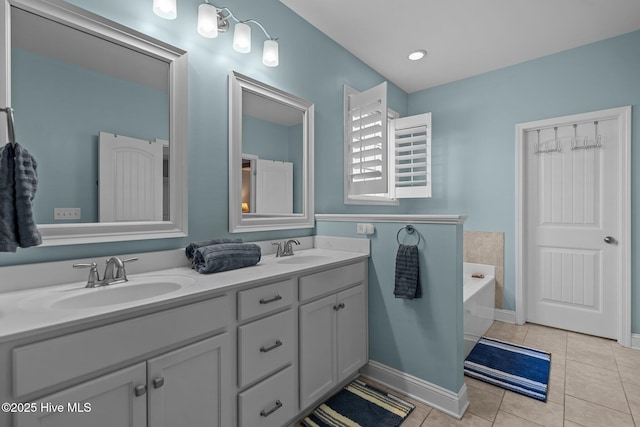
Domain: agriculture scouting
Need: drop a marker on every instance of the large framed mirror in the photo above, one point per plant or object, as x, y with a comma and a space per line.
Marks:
270, 157
103, 109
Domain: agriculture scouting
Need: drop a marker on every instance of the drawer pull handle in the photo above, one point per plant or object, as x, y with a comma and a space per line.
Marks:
158, 382
139, 390
265, 414
267, 301
275, 345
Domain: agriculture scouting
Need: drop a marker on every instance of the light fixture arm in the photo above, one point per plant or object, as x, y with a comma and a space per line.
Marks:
230, 14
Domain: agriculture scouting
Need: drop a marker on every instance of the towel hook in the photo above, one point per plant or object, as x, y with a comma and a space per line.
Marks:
410, 229
10, 128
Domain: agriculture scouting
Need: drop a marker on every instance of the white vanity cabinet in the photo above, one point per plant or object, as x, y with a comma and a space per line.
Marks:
333, 330
186, 386
182, 387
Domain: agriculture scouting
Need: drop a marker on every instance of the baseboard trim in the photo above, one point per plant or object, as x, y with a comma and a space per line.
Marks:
507, 316
454, 404
635, 341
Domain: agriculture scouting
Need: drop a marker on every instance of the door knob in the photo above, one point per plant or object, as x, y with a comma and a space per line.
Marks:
610, 240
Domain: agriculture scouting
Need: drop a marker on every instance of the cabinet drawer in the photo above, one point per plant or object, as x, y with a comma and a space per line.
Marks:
265, 346
50, 362
330, 281
264, 299
271, 403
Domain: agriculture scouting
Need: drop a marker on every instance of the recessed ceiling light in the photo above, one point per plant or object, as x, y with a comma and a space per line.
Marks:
417, 54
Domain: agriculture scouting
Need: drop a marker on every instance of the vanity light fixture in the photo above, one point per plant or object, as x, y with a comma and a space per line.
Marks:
417, 55
213, 20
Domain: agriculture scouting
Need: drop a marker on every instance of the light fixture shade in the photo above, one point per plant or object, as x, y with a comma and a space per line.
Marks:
165, 8
208, 21
242, 38
270, 53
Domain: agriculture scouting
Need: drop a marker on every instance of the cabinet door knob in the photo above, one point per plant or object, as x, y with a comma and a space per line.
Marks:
275, 345
265, 414
139, 390
610, 240
158, 382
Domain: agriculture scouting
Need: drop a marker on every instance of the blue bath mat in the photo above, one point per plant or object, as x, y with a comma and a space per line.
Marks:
359, 404
519, 369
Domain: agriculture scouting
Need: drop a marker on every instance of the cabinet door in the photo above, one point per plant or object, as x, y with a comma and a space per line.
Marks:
351, 331
190, 386
317, 349
111, 399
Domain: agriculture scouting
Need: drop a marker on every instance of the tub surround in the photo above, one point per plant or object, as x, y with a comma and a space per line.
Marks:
478, 296
487, 247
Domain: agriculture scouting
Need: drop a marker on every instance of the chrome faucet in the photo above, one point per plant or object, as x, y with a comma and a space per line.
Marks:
288, 247
114, 272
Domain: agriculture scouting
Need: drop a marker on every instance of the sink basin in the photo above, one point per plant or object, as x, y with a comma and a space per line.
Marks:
134, 290
303, 259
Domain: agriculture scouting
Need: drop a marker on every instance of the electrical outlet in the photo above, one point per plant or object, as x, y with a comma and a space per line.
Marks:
365, 229
66, 214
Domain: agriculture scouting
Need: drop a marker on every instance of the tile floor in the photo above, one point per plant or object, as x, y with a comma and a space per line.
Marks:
593, 382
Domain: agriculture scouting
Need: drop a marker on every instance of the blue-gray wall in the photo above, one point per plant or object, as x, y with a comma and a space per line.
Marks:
474, 135
303, 71
60, 110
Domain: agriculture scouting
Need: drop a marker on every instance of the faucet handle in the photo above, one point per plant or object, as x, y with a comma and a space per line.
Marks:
121, 273
278, 249
94, 277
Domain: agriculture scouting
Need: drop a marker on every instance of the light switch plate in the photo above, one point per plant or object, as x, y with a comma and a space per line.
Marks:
365, 229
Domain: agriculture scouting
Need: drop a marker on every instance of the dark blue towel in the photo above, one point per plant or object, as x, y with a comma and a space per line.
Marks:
225, 256
18, 185
407, 276
191, 248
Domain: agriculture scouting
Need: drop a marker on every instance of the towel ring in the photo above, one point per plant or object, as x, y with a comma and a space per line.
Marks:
410, 229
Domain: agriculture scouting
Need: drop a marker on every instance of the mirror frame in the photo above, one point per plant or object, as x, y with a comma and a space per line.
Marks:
83, 20
238, 223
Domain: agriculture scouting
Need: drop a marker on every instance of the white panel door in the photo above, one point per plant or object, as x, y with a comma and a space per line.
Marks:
274, 187
351, 331
573, 210
131, 183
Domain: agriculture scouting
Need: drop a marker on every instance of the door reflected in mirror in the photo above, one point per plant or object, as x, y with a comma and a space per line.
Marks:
270, 157
272, 160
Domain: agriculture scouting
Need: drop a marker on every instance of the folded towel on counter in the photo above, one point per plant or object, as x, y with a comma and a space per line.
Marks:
407, 276
225, 256
18, 185
191, 248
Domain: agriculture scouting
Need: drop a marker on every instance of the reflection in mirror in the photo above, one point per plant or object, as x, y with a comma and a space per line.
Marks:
272, 145
270, 157
103, 110
75, 87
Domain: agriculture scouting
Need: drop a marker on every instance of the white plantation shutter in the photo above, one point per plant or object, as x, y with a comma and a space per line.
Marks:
366, 165
411, 163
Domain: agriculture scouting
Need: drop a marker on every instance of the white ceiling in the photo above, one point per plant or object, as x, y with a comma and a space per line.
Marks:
462, 37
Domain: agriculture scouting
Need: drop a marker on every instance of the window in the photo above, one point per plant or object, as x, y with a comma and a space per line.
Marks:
386, 157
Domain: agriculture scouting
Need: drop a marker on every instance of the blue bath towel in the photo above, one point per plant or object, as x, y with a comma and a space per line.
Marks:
18, 185
226, 256
407, 284
191, 248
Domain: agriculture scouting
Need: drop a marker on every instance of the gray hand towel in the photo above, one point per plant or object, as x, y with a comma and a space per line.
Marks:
407, 275
226, 256
191, 248
18, 185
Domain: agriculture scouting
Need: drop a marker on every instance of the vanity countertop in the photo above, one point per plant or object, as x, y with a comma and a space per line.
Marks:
29, 312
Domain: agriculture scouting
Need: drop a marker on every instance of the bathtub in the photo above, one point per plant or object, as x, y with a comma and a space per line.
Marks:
479, 302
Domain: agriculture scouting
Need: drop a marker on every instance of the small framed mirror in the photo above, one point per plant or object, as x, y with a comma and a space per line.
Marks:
103, 109
270, 157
